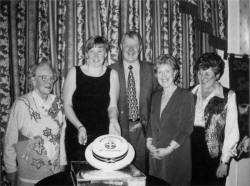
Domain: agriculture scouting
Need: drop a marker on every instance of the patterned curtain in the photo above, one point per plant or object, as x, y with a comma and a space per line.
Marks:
57, 30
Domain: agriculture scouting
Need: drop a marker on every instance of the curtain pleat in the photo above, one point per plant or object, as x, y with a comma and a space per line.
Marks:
5, 64
61, 43
124, 17
157, 30
30, 40
104, 8
176, 37
147, 31
131, 18
43, 44
93, 18
21, 37
185, 52
14, 76
165, 27
113, 31
81, 32
52, 9
70, 37
190, 48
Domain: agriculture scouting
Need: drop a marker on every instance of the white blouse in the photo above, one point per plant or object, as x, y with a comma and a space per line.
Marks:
231, 128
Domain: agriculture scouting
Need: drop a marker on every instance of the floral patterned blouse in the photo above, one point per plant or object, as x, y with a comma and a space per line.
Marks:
35, 137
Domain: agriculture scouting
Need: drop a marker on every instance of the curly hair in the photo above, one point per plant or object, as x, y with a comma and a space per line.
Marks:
212, 60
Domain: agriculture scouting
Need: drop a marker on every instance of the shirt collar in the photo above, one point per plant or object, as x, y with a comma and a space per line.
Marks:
134, 65
218, 91
41, 101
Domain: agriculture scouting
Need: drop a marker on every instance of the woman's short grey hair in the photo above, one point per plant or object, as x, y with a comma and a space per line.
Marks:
33, 68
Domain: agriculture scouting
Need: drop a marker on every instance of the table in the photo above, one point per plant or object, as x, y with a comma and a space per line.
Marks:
64, 179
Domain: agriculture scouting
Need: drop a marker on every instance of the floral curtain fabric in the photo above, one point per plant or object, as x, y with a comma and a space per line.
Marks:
57, 30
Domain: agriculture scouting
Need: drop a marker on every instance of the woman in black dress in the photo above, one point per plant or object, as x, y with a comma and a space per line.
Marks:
90, 95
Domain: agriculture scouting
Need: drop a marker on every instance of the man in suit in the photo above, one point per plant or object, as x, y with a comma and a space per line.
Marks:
137, 83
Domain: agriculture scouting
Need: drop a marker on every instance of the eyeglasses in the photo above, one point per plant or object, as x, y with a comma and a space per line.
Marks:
46, 78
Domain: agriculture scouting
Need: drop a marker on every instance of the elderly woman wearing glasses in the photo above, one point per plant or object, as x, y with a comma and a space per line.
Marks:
34, 141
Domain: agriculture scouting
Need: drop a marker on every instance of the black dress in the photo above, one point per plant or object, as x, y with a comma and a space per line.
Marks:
90, 102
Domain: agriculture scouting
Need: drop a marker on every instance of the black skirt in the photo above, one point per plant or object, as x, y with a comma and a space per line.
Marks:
203, 166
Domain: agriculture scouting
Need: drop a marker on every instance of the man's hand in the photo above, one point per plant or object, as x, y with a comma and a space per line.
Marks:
12, 178
114, 127
82, 135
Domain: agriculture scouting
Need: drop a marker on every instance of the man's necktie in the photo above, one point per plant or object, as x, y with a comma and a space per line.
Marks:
132, 101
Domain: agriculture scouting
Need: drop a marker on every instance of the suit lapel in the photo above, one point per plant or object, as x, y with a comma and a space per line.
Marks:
158, 107
143, 76
123, 84
169, 104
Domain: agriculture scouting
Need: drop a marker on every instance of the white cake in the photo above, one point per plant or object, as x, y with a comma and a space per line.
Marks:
110, 148
109, 153
99, 175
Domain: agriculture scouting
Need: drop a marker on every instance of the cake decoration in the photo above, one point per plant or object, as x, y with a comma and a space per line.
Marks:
109, 152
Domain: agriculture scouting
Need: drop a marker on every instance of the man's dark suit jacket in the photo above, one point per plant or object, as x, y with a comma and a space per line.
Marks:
148, 83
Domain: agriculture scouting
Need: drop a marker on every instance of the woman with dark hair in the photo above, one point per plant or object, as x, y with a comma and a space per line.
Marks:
216, 130
170, 126
90, 94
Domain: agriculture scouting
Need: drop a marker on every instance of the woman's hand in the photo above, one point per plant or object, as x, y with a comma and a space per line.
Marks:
162, 152
150, 145
222, 170
82, 135
114, 127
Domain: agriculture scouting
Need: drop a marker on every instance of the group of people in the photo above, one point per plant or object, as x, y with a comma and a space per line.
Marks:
181, 136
